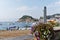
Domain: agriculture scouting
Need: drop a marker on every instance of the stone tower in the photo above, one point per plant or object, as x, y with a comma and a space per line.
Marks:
45, 12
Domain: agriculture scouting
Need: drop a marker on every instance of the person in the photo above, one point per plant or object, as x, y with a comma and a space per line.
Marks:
33, 30
37, 35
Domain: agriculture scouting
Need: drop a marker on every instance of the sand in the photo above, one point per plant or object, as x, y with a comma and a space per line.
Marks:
13, 33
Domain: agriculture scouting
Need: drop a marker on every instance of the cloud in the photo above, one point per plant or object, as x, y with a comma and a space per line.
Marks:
24, 9
53, 8
32, 11
18, 0
58, 3
54, 4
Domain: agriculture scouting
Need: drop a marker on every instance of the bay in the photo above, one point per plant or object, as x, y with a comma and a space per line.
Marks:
5, 25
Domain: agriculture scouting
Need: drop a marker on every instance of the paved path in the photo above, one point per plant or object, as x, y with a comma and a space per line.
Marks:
26, 37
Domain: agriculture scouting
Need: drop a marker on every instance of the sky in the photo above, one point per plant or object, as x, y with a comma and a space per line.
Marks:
12, 10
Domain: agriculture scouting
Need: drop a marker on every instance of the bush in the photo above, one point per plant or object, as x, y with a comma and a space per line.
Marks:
43, 28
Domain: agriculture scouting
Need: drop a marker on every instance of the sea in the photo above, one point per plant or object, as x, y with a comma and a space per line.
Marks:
5, 25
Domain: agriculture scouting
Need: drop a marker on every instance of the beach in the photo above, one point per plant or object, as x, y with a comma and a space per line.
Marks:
13, 33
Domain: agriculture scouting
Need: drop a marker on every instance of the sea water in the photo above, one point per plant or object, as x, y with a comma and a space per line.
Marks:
5, 25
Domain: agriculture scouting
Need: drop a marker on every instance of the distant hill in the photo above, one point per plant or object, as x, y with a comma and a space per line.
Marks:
56, 16
27, 18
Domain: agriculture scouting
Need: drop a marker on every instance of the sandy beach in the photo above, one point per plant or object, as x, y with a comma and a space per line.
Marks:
14, 33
